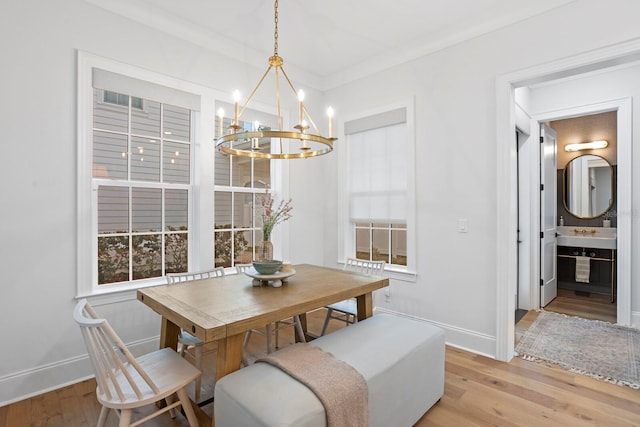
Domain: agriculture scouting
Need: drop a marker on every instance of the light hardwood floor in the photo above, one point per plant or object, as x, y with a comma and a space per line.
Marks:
588, 306
479, 391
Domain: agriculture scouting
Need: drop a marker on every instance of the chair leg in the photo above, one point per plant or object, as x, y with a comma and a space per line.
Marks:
298, 326
198, 363
246, 339
125, 418
188, 409
104, 413
269, 332
247, 335
169, 400
326, 321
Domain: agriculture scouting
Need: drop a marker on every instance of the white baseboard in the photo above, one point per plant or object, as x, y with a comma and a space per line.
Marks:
23, 385
464, 339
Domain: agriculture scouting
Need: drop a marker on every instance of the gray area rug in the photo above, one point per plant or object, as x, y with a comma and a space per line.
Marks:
590, 347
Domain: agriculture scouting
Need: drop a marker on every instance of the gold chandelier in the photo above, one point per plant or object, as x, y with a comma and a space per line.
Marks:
240, 142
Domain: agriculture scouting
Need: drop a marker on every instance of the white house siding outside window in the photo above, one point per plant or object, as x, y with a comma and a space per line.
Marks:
239, 184
379, 152
142, 177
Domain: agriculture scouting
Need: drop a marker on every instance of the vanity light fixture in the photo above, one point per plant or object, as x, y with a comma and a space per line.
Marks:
593, 145
238, 141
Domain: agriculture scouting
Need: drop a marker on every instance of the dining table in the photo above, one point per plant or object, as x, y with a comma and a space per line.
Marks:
223, 309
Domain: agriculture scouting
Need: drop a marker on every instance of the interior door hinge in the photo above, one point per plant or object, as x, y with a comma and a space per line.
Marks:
542, 234
541, 187
541, 283
542, 140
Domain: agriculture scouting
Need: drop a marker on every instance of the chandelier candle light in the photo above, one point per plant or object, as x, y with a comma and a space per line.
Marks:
312, 144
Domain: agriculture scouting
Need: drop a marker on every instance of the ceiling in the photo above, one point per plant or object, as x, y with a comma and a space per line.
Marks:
329, 41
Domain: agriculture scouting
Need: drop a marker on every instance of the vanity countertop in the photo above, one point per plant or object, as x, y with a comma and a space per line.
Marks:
587, 237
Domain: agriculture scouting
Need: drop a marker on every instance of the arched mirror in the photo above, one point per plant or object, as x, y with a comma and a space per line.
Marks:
588, 186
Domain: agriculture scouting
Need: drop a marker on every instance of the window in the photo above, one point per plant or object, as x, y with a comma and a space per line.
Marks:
382, 242
142, 178
120, 99
239, 182
139, 135
379, 189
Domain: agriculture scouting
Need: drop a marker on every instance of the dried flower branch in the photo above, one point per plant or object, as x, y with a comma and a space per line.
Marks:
272, 217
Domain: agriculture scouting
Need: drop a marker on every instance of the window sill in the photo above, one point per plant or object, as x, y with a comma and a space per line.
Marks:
394, 272
401, 274
111, 294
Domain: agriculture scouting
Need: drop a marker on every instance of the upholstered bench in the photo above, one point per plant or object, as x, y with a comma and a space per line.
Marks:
402, 361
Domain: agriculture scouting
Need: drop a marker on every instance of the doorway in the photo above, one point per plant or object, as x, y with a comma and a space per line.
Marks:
578, 192
506, 259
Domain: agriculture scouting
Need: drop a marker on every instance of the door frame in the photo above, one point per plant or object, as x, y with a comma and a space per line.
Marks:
506, 220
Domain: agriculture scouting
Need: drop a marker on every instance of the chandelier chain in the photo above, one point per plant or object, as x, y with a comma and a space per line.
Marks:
275, 31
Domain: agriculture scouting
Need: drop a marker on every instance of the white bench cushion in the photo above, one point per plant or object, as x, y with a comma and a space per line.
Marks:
401, 359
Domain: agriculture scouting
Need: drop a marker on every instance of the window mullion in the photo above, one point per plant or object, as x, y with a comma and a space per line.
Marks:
130, 234
389, 245
163, 240
129, 176
370, 241
162, 192
233, 226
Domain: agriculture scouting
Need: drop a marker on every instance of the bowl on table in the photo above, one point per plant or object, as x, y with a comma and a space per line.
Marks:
267, 266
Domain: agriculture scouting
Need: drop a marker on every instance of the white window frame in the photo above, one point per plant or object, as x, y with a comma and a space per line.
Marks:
200, 242
348, 230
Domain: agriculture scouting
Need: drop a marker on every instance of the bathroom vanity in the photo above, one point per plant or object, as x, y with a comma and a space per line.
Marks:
596, 243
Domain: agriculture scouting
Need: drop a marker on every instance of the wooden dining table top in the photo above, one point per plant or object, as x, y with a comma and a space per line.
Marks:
222, 309
212, 309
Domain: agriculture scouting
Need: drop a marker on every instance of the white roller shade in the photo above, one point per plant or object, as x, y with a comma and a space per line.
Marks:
378, 174
119, 83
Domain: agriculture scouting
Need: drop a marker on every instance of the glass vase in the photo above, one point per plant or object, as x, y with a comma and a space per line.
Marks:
265, 250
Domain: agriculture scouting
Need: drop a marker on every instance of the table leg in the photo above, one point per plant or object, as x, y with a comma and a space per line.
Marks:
229, 355
169, 334
229, 359
365, 306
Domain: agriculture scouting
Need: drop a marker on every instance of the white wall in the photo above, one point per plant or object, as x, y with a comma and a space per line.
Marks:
455, 98
454, 90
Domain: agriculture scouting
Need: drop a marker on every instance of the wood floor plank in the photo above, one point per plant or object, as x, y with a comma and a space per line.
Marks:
592, 306
509, 402
555, 382
547, 398
19, 413
479, 391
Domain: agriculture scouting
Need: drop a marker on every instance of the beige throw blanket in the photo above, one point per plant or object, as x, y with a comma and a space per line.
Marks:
341, 389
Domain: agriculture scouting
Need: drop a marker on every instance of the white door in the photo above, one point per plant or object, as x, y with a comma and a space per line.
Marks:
548, 214
525, 194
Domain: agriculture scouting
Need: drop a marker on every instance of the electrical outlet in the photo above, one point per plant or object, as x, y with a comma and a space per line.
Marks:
463, 226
